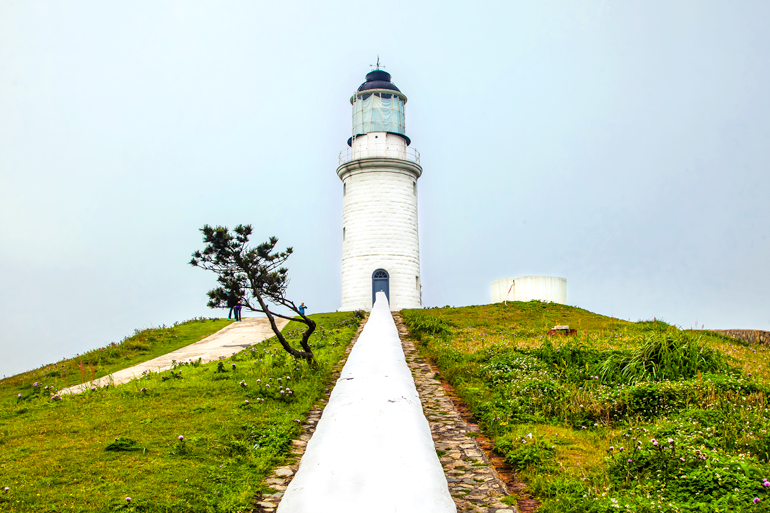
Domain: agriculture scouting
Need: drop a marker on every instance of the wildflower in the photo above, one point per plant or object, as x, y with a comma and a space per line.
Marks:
259, 381
93, 389
766, 483
756, 500
671, 440
281, 391
297, 421
128, 499
6, 489
246, 401
181, 438
233, 366
681, 459
630, 460
612, 447
19, 396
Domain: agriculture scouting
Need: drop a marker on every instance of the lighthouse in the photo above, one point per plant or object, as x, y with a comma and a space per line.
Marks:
379, 173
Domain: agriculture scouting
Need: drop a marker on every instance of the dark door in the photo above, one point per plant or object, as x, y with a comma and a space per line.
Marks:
380, 281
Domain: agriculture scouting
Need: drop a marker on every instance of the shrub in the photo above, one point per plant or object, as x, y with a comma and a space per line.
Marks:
123, 443
420, 324
671, 355
525, 452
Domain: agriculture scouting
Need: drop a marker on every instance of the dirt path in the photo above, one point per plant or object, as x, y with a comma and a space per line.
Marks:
223, 343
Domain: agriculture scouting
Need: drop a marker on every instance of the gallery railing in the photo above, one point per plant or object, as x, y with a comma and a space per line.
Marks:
384, 150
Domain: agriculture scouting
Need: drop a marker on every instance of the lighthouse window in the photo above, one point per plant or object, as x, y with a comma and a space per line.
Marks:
343, 234
414, 188
344, 189
417, 282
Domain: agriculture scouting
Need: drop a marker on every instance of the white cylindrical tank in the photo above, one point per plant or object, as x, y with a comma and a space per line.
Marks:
379, 172
527, 288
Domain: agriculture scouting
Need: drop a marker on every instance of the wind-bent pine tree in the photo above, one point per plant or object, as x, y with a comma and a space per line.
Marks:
254, 274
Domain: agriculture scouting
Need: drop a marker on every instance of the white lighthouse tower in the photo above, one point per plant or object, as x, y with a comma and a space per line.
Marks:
379, 172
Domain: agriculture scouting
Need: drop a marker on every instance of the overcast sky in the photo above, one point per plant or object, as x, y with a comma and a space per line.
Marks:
621, 145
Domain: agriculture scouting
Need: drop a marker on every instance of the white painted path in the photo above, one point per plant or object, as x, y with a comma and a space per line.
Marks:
372, 450
223, 343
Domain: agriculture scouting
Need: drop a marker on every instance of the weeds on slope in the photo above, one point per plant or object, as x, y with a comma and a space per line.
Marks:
200, 437
623, 417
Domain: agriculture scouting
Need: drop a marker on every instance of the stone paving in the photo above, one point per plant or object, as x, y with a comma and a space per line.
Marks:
473, 481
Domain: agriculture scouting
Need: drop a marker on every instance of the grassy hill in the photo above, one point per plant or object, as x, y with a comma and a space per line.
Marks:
623, 416
197, 438
143, 345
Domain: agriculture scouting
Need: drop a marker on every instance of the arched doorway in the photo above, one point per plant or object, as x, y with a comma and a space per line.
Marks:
380, 281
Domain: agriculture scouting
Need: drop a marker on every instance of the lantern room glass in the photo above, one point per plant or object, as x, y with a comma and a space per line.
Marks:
378, 112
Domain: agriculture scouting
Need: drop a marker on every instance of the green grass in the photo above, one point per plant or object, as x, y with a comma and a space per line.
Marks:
143, 345
89, 452
561, 408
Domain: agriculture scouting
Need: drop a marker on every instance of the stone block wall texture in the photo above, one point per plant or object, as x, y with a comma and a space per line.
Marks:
750, 336
527, 288
379, 219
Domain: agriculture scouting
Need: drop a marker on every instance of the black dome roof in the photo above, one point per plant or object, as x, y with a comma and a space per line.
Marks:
378, 79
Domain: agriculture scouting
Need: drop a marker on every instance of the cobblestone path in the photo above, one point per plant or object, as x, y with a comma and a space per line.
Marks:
473, 481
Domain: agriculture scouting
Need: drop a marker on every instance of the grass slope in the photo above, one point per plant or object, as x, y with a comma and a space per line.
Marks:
143, 345
237, 418
622, 417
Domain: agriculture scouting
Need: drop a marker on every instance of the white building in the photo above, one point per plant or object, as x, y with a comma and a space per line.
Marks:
379, 172
527, 288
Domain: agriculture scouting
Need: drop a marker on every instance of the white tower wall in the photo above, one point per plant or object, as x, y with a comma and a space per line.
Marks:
527, 288
379, 219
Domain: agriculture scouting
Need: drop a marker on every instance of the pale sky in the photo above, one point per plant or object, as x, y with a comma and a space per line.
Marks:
622, 145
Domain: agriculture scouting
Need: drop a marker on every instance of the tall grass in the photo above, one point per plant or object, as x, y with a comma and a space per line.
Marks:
669, 355
421, 324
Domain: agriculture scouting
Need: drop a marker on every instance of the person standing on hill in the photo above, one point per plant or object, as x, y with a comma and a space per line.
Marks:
302, 308
232, 301
237, 309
